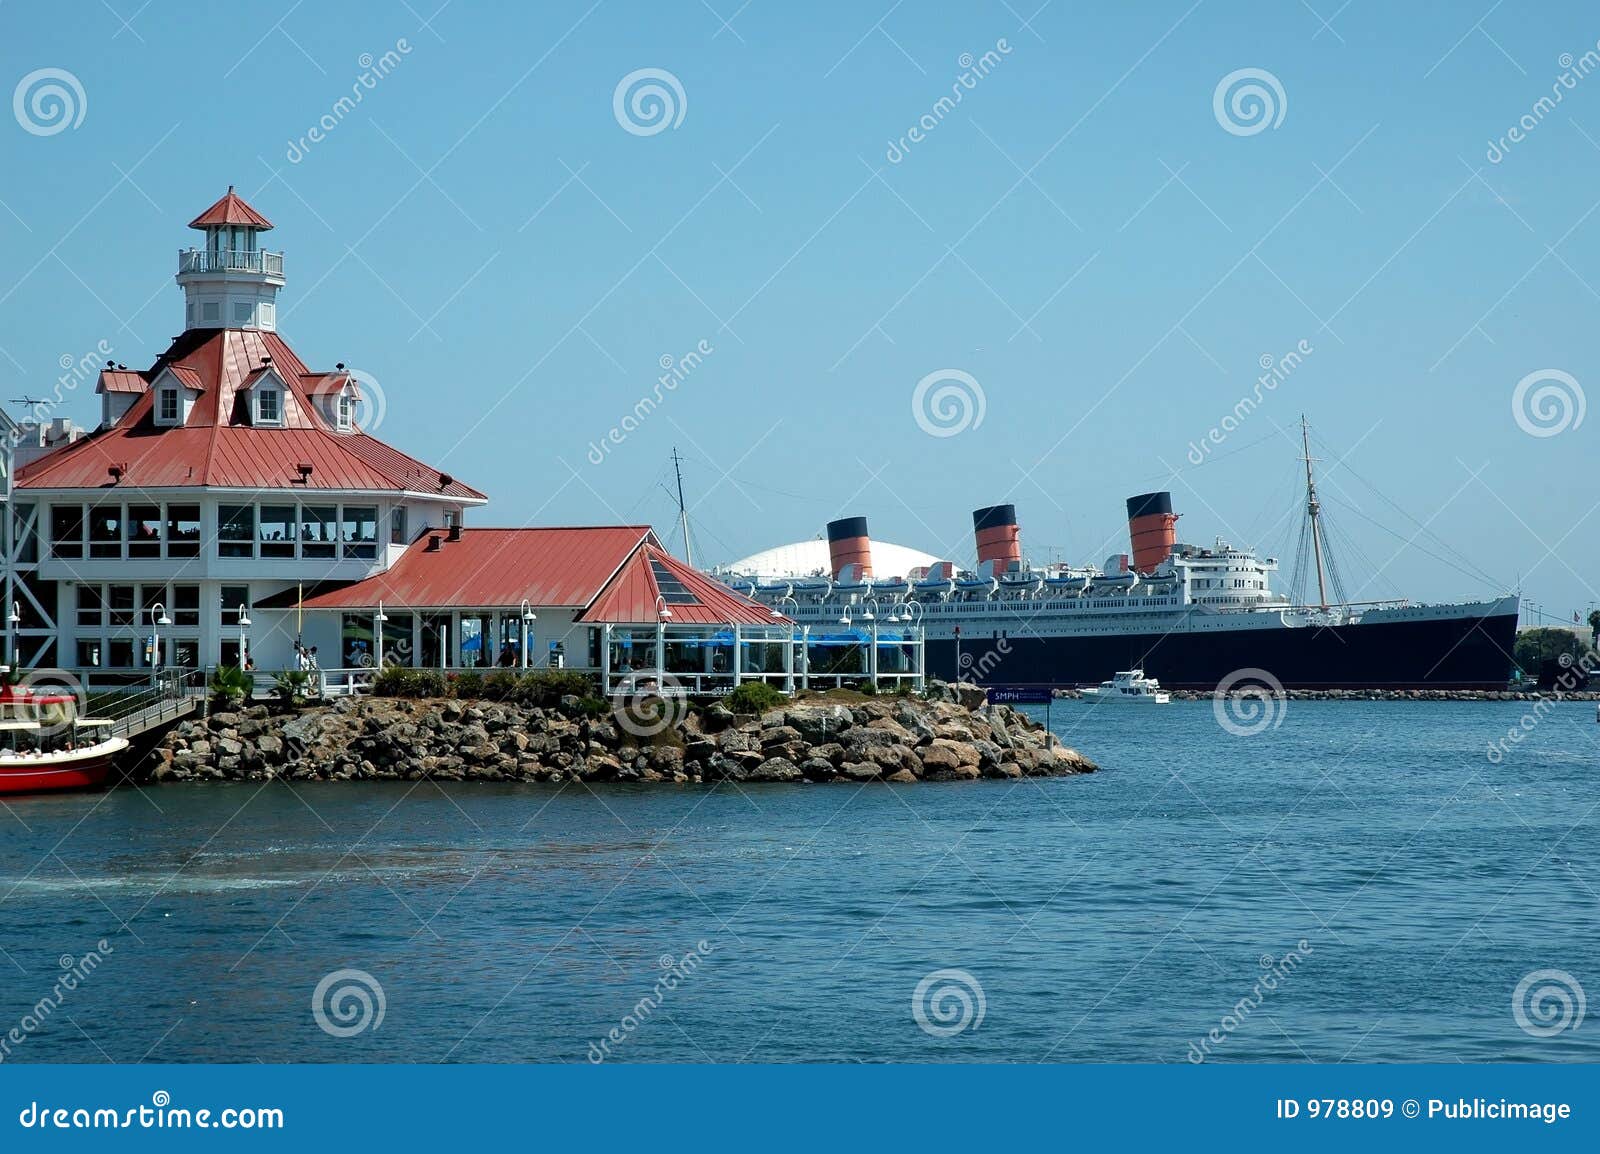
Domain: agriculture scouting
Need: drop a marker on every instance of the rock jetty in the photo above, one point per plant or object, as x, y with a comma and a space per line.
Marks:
948, 734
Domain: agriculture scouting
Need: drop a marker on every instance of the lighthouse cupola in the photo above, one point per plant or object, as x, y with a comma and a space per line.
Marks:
232, 282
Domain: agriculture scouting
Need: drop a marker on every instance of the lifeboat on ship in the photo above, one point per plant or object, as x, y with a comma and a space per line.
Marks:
45, 746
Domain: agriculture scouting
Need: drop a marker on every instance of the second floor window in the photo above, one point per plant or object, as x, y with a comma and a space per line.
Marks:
167, 412
268, 410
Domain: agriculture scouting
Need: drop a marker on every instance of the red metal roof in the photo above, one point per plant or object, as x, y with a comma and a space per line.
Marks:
231, 209
121, 381
494, 568
631, 597
218, 446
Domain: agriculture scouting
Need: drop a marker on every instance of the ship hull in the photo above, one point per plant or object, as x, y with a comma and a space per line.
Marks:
1466, 652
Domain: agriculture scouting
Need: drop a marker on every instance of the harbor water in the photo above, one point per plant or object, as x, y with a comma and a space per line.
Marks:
1358, 881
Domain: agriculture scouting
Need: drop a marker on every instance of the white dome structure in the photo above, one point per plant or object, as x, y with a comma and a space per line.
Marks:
810, 558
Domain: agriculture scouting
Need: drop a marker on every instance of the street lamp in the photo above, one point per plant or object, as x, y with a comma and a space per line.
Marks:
158, 618
661, 608
244, 645
528, 618
378, 619
15, 621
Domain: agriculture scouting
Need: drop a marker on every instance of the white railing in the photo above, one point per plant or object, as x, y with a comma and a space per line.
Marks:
230, 260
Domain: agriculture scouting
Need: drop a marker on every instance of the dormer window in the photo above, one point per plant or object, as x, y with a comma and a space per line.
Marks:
168, 406
346, 413
269, 407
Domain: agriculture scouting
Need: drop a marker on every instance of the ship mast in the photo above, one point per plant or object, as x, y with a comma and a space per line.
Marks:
683, 510
1313, 511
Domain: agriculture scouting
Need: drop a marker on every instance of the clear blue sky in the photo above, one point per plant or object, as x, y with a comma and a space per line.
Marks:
485, 239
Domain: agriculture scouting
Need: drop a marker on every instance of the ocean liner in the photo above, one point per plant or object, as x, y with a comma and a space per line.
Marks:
1192, 617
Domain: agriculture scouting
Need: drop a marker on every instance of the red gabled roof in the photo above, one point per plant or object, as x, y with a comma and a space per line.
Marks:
631, 597
231, 209
489, 568
121, 381
218, 447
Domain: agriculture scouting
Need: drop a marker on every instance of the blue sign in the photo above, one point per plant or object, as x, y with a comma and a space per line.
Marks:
1018, 695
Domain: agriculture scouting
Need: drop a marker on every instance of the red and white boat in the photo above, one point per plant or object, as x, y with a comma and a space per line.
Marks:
45, 746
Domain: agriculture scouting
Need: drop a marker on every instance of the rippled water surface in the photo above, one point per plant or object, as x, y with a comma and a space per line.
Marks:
1120, 916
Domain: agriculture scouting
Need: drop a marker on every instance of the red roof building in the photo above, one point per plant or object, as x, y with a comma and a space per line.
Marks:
231, 505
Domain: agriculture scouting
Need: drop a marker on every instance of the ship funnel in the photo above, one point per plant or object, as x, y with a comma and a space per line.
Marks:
849, 549
1152, 530
998, 538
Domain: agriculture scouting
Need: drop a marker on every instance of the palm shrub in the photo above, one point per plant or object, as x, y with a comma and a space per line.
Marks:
290, 686
230, 685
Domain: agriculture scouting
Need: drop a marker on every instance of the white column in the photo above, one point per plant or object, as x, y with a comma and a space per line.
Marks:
738, 654
872, 660
788, 661
805, 657
605, 661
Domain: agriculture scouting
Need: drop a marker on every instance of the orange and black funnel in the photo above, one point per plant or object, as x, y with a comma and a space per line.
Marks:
848, 544
998, 538
1152, 530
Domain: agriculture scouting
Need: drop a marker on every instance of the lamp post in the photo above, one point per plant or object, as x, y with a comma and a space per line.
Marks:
378, 619
528, 618
244, 644
663, 615
158, 618
15, 621
872, 654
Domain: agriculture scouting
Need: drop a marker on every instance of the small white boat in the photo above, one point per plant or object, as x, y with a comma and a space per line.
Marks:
1130, 686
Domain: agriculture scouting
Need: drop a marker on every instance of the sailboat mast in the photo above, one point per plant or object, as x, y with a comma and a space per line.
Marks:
683, 510
1314, 511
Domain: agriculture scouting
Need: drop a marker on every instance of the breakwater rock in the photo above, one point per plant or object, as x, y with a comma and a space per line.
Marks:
945, 736
1376, 694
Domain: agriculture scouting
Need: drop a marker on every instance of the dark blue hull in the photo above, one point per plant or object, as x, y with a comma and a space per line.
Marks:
1460, 653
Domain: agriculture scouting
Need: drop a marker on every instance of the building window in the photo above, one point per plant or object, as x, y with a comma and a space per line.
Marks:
269, 411
120, 600
105, 531
236, 530
143, 527
210, 310
167, 412
346, 411
91, 611
241, 312
88, 652
183, 530
234, 598
186, 605
66, 531
361, 531
397, 525
319, 530
279, 527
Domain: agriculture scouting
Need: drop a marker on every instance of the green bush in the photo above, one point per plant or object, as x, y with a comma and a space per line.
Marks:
754, 697
545, 688
230, 684
500, 685
468, 686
